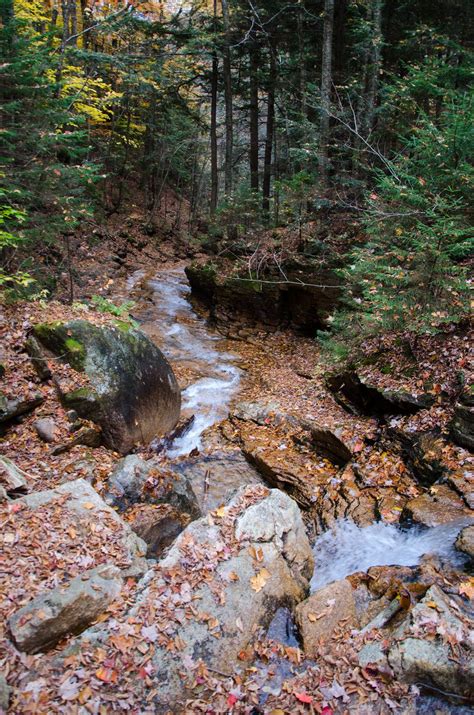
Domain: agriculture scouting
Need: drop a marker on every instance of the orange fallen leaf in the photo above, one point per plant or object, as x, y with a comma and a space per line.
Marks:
258, 582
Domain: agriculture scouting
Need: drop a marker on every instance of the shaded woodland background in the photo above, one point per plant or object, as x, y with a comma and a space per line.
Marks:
261, 118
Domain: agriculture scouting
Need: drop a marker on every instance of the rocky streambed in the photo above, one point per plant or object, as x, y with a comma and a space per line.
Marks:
159, 581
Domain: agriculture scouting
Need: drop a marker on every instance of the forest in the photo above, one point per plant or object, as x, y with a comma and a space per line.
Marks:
236, 357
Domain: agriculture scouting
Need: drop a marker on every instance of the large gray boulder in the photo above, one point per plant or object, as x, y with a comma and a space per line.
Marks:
132, 392
90, 520
224, 576
65, 610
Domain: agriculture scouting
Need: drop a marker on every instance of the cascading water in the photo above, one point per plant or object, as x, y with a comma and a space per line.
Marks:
347, 548
186, 341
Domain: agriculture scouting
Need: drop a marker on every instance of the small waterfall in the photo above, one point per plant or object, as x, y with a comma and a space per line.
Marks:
347, 548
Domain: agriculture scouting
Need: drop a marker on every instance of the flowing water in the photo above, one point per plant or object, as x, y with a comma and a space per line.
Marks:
348, 548
214, 378
188, 344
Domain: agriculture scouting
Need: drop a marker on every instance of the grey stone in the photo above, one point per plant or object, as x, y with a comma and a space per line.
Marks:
66, 610
10, 409
5, 691
46, 429
465, 541
87, 506
267, 541
13, 479
135, 480
414, 657
133, 394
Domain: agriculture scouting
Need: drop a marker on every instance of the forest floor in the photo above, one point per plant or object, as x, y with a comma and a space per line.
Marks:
282, 372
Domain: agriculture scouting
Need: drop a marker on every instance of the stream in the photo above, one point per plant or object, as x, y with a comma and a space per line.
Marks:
189, 346
211, 378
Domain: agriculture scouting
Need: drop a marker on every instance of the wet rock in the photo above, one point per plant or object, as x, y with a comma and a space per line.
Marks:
421, 651
158, 525
46, 429
13, 479
216, 477
5, 692
461, 481
465, 541
10, 409
462, 426
135, 480
328, 609
133, 394
440, 505
423, 454
66, 610
83, 509
356, 394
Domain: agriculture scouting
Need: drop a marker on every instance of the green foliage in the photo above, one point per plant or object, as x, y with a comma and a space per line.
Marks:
410, 275
105, 305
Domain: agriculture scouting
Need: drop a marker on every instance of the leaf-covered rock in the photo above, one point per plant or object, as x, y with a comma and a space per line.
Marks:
65, 610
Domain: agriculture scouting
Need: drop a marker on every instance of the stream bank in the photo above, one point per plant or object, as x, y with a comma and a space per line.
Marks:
264, 414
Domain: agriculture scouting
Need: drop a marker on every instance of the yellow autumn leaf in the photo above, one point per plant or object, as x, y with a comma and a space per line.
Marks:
88, 505
220, 512
258, 582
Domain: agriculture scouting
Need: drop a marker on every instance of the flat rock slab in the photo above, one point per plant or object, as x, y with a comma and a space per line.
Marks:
13, 479
440, 505
215, 477
66, 610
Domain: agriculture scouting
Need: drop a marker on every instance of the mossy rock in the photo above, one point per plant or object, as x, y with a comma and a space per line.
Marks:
132, 393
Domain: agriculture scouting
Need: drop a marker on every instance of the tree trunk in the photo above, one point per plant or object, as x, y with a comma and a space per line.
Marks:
253, 118
213, 137
229, 129
267, 170
302, 62
326, 81
374, 68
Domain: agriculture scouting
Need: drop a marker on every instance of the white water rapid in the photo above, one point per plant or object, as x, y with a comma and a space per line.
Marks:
348, 548
186, 341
